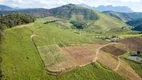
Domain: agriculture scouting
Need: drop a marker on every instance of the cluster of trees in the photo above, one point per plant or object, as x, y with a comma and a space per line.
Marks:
12, 20
51, 21
78, 25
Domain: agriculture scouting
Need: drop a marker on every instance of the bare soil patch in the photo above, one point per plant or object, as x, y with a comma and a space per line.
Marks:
114, 50
81, 55
134, 44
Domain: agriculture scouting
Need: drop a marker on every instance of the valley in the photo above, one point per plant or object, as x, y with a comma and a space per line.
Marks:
69, 43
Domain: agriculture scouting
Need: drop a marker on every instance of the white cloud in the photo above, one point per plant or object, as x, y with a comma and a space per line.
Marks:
1, 1
126, 0
134, 4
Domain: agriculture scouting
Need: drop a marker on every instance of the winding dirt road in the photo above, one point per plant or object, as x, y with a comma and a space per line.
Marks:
97, 53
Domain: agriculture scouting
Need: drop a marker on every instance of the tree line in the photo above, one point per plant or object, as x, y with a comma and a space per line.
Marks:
12, 20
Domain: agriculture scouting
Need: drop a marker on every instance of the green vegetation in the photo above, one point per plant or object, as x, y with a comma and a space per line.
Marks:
124, 16
9, 21
137, 24
12, 20
22, 60
67, 11
90, 72
28, 51
51, 54
137, 66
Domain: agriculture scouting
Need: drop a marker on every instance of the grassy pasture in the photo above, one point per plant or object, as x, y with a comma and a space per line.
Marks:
21, 60
137, 66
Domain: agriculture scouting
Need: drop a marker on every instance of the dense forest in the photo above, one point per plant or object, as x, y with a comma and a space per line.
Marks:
137, 24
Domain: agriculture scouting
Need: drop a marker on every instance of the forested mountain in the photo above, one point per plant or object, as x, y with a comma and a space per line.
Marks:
98, 22
124, 16
5, 8
37, 12
137, 24
68, 11
103, 8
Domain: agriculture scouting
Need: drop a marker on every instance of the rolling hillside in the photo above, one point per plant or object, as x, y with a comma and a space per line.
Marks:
97, 22
22, 60
51, 48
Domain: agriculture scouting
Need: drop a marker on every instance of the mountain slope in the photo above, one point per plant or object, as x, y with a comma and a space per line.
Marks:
96, 21
124, 16
22, 60
137, 24
37, 12
5, 8
67, 11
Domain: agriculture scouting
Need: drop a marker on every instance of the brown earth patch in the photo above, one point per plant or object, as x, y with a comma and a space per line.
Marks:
134, 44
114, 50
81, 55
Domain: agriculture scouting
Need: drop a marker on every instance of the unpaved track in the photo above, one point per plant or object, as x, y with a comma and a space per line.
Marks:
33, 35
97, 53
117, 65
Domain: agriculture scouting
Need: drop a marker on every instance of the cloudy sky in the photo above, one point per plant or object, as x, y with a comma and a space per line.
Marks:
135, 5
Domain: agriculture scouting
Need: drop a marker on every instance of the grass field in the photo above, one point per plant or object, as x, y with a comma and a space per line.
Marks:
137, 66
21, 60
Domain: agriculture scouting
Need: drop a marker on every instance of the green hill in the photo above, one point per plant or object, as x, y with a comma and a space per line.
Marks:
124, 16
21, 60
137, 24
96, 22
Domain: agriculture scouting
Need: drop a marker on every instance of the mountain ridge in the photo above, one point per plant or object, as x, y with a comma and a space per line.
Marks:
102, 8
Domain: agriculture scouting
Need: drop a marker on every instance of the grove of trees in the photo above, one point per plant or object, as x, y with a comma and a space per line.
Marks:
78, 25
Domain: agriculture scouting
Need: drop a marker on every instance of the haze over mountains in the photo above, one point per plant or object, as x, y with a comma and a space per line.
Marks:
7, 8
102, 8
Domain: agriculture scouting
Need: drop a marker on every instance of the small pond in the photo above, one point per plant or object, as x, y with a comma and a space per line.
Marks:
136, 58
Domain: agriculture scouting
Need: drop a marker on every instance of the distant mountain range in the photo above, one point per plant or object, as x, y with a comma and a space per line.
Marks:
103, 8
7, 8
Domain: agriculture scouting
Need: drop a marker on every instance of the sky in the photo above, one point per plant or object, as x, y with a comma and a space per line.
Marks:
135, 5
